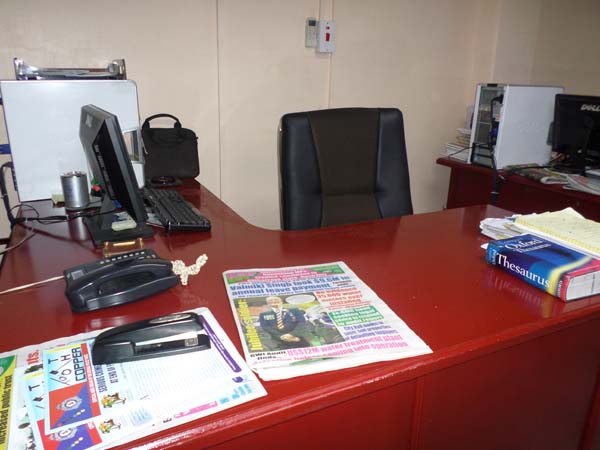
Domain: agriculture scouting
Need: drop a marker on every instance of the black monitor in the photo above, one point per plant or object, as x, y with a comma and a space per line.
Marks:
107, 155
576, 131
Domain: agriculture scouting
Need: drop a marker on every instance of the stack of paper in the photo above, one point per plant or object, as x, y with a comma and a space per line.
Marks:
566, 227
584, 184
301, 320
500, 228
58, 399
537, 173
459, 148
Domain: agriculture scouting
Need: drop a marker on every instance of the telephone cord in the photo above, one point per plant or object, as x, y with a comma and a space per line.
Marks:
179, 268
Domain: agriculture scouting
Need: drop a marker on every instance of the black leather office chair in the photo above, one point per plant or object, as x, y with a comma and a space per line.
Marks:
342, 166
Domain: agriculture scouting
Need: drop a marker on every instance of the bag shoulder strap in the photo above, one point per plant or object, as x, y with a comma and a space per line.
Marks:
156, 116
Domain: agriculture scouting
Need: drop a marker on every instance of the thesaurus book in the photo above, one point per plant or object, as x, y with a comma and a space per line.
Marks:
558, 270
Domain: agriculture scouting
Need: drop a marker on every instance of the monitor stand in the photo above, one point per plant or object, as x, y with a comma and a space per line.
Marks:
577, 160
100, 226
579, 155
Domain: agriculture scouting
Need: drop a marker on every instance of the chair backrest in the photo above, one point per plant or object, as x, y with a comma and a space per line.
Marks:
343, 165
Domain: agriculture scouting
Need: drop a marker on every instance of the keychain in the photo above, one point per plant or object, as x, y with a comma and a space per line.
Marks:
179, 268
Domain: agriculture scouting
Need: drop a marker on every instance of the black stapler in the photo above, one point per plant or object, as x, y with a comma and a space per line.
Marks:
161, 336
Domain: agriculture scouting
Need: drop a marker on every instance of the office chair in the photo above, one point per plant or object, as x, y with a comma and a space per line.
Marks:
341, 166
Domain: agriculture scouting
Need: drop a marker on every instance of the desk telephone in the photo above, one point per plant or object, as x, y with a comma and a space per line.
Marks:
117, 280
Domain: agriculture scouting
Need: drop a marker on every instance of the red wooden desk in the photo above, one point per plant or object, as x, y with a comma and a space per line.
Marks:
471, 185
512, 367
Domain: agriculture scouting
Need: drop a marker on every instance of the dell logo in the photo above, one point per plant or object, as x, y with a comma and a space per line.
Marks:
594, 108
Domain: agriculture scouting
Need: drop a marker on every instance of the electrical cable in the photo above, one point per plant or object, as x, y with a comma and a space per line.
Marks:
497, 179
25, 221
49, 220
457, 151
12, 247
4, 191
43, 220
25, 286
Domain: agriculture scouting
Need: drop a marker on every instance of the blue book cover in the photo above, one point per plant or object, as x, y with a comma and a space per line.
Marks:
558, 270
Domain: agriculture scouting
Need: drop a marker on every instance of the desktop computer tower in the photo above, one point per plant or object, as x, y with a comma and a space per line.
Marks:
512, 122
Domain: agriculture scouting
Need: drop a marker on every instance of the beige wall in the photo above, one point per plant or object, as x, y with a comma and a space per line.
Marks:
516, 39
264, 72
567, 49
414, 56
230, 68
549, 42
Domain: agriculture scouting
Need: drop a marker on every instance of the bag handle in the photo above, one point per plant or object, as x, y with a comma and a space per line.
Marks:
156, 116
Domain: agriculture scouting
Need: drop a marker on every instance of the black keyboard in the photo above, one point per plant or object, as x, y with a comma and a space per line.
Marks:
174, 213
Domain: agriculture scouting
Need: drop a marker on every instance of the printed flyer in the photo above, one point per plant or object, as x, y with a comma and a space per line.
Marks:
7, 369
106, 405
72, 398
75, 437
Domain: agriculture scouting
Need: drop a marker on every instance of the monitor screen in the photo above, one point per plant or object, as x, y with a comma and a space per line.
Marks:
105, 149
577, 130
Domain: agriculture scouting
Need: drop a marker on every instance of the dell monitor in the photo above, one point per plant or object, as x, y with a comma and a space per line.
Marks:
576, 131
107, 155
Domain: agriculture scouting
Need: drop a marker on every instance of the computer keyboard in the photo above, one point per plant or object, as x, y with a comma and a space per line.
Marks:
174, 213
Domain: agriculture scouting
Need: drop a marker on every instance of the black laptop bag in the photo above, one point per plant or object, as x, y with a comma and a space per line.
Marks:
170, 152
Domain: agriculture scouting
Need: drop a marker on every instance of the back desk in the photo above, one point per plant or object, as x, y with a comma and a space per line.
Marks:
471, 184
511, 366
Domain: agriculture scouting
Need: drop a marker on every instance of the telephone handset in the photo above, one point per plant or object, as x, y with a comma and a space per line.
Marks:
117, 280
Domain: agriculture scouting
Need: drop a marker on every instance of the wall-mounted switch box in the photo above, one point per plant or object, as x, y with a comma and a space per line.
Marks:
310, 32
325, 39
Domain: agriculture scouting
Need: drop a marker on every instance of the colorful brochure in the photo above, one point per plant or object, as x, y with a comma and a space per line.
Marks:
74, 404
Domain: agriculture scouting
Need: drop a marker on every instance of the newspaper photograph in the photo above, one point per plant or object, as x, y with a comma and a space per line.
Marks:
320, 314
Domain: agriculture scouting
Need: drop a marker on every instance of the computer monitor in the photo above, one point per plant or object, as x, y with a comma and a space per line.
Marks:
107, 155
577, 130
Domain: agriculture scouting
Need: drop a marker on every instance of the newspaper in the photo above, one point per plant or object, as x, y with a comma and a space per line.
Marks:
584, 184
57, 399
301, 320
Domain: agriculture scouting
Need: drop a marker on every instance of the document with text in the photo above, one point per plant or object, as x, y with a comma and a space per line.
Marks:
307, 319
59, 399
